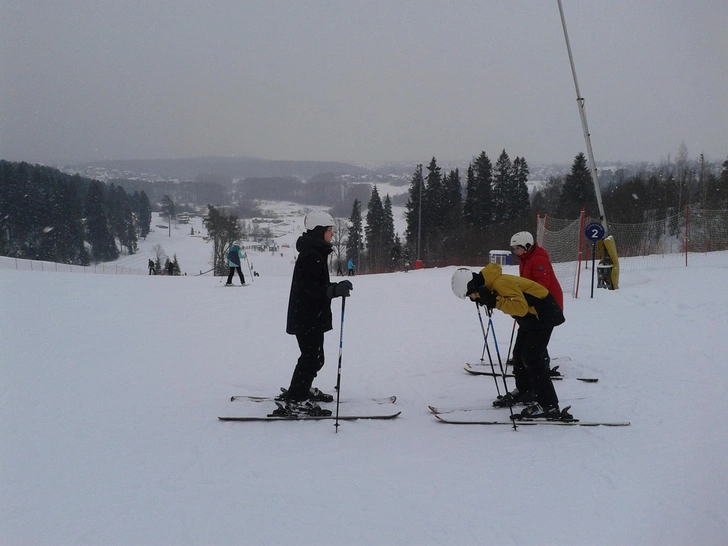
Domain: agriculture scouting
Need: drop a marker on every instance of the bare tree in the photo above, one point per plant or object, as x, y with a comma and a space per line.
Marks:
341, 234
159, 255
168, 210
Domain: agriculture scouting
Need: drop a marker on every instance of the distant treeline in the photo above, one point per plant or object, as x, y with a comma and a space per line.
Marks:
49, 215
463, 226
636, 197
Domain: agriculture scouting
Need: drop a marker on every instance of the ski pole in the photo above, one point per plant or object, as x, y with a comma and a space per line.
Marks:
338, 371
486, 348
250, 271
497, 352
482, 355
510, 345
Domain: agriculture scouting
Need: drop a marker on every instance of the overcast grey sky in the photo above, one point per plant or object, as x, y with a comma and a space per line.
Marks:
361, 80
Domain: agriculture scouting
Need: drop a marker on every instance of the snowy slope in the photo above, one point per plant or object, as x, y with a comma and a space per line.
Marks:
111, 387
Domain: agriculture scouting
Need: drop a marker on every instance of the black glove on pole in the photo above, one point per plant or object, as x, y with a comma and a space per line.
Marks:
487, 298
339, 289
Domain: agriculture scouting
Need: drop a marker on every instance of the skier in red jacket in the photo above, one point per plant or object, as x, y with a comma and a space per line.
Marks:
534, 266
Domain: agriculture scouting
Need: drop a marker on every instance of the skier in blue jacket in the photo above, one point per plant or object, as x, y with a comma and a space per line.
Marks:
234, 256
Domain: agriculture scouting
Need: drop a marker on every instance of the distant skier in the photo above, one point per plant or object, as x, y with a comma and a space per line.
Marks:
234, 256
350, 266
537, 314
309, 305
150, 264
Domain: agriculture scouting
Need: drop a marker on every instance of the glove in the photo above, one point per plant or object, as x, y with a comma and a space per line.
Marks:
486, 298
339, 289
476, 283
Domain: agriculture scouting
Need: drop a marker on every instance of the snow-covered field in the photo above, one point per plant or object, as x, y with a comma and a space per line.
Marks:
111, 386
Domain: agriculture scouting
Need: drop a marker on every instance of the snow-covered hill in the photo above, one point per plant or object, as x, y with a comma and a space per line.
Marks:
112, 384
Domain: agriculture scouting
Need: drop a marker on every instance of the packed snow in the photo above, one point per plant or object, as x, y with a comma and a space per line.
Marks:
112, 385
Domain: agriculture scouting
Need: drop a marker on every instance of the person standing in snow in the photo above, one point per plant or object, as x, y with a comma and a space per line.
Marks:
534, 264
234, 256
309, 305
350, 267
537, 313
150, 264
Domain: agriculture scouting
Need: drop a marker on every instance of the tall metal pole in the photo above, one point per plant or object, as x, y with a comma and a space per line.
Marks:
585, 127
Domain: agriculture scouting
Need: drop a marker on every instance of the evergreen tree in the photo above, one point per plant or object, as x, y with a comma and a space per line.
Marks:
98, 231
177, 270
355, 238
223, 231
501, 186
121, 218
142, 213
397, 252
469, 213
412, 209
433, 220
388, 235
721, 196
452, 205
478, 207
452, 201
375, 232
62, 237
578, 191
520, 199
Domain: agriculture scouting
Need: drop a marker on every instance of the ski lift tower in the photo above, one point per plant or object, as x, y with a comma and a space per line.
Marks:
584, 126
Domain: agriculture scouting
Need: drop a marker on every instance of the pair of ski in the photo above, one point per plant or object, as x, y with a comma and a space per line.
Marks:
475, 416
353, 409
486, 369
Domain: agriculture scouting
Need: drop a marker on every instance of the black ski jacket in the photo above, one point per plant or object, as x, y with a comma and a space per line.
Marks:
309, 308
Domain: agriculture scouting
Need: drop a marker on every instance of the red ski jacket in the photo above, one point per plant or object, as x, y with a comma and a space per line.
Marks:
536, 266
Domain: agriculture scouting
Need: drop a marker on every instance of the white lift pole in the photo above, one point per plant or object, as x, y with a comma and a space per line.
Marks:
585, 127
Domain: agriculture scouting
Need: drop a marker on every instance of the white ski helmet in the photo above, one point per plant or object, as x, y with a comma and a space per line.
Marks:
314, 219
459, 282
522, 238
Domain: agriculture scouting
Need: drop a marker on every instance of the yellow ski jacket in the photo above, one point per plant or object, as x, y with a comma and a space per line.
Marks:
527, 301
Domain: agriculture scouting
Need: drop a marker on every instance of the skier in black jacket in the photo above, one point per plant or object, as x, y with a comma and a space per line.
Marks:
309, 304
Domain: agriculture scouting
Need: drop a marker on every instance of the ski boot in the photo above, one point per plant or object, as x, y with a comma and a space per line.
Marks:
513, 398
319, 396
535, 411
314, 395
295, 410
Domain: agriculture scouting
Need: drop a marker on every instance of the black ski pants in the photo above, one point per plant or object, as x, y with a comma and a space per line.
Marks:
309, 364
531, 364
240, 274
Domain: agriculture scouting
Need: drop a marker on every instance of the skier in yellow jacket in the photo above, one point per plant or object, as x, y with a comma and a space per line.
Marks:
537, 314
